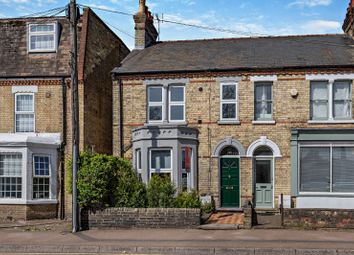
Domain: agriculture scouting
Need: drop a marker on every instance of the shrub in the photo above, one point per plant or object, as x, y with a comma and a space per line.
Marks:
208, 207
160, 192
130, 191
96, 180
188, 200
107, 181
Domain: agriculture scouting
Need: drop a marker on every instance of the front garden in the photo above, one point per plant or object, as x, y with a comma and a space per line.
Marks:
109, 186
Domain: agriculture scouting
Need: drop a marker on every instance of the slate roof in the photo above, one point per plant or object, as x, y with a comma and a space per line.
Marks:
15, 61
242, 54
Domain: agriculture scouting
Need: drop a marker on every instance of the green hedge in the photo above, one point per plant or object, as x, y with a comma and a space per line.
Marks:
108, 181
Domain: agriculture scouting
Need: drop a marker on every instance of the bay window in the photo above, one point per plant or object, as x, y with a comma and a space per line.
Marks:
41, 177
11, 176
161, 162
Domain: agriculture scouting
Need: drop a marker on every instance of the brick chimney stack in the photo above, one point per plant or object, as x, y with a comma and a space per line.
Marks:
145, 31
348, 25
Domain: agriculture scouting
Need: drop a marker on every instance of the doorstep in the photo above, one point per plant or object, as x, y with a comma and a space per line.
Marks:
229, 209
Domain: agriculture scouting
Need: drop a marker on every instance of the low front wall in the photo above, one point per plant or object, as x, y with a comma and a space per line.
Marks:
115, 218
28, 212
319, 218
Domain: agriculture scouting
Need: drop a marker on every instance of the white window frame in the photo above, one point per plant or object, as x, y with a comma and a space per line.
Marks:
323, 145
179, 103
229, 101
54, 33
15, 176
26, 112
162, 170
42, 176
152, 104
260, 83
330, 117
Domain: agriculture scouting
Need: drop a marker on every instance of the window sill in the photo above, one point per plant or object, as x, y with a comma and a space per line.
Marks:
263, 122
325, 194
330, 121
229, 122
166, 124
27, 202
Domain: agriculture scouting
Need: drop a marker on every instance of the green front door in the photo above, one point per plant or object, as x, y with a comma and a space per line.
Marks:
230, 182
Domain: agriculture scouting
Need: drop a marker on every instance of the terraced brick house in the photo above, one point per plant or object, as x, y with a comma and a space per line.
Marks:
35, 108
244, 119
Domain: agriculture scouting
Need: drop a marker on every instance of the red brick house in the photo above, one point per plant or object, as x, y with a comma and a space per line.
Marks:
241, 119
35, 108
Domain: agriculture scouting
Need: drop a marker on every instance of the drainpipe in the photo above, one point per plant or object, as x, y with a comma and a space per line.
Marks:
62, 150
121, 131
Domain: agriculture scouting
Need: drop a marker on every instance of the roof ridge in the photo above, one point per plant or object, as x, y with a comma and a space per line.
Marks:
252, 38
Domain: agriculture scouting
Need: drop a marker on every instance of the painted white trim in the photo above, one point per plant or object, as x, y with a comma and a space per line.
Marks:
263, 122
326, 202
55, 33
329, 77
27, 202
234, 79
165, 82
263, 141
228, 141
24, 89
330, 121
264, 78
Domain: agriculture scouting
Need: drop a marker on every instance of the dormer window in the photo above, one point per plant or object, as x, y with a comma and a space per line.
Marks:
42, 37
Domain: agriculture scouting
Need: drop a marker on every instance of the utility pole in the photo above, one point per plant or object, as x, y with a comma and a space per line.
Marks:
75, 113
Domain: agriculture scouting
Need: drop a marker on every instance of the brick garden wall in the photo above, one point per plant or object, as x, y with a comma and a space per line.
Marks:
115, 218
319, 218
28, 212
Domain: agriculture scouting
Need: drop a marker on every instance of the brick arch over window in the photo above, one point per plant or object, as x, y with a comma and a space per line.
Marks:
228, 141
263, 141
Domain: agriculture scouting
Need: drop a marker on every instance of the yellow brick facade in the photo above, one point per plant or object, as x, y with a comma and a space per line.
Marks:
203, 112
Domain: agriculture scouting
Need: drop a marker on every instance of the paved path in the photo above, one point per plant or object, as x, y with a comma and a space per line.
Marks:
192, 241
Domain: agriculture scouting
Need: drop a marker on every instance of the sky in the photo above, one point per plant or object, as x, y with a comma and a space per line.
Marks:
243, 17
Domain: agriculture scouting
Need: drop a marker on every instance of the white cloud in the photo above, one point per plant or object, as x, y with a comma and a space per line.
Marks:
310, 3
321, 26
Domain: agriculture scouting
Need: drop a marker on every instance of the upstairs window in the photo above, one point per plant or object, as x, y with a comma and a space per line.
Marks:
166, 103
42, 37
263, 101
24, 113
176, 103
331, 100
156, 104
228, 101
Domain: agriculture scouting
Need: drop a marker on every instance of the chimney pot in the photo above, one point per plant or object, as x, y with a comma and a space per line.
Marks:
142, 6
145, 31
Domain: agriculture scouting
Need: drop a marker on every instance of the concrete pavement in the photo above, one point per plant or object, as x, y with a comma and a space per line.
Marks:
179, 241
